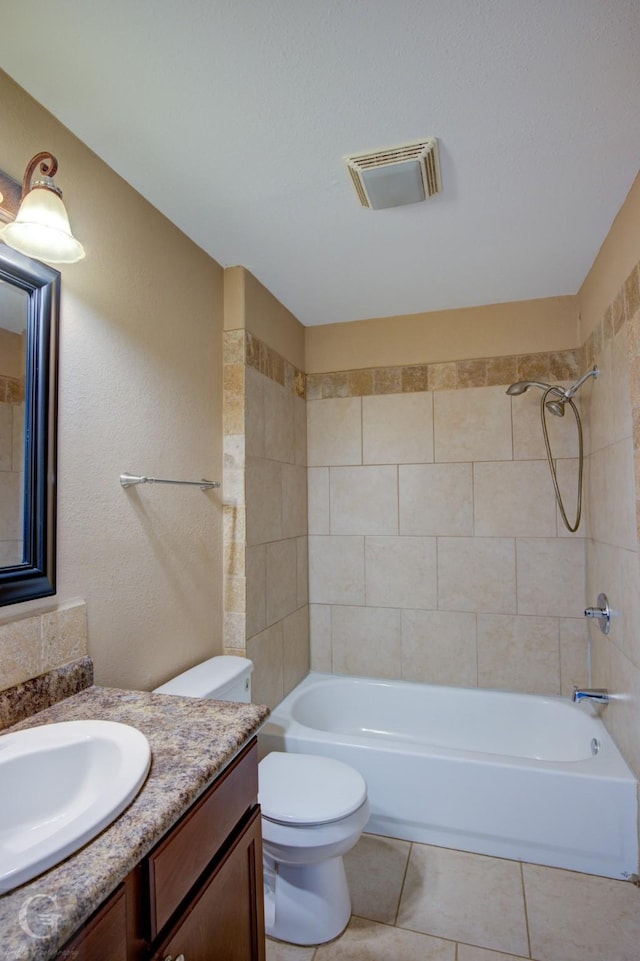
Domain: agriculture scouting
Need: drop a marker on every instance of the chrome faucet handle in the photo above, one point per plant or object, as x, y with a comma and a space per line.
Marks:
602, 612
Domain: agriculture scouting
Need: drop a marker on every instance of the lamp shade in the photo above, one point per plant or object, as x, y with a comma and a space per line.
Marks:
41, 229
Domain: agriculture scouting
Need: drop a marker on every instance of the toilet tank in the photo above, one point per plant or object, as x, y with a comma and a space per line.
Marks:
223, 678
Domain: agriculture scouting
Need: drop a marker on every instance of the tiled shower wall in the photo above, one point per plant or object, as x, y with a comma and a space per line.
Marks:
613, 480
436, 549
436, 552
266, 587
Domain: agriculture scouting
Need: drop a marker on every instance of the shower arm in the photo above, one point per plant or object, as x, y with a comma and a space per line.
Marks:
568, 394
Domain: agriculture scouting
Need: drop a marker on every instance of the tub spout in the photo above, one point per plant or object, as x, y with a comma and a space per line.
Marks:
598, 695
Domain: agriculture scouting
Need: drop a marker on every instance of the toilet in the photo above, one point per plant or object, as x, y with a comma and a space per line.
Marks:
314, 810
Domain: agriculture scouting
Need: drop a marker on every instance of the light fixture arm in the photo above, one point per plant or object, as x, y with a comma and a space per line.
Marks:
48, 167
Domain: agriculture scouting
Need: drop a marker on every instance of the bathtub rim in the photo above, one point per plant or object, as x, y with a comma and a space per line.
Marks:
609, 761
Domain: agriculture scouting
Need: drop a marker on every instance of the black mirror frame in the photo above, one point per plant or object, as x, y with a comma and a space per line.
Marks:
36, 576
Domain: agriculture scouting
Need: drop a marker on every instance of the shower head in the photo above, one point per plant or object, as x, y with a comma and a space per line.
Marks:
555, 406
522, 385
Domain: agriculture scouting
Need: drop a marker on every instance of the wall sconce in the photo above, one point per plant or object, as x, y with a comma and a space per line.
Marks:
41, 227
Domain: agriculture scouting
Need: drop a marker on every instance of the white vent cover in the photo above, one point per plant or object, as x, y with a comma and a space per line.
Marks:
396, 175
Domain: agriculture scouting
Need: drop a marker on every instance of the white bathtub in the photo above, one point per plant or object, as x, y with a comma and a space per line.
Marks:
509, 775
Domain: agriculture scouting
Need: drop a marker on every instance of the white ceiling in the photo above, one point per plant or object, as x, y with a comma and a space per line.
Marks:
232, 116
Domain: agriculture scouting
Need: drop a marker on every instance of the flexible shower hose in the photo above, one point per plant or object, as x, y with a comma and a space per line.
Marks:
552, 467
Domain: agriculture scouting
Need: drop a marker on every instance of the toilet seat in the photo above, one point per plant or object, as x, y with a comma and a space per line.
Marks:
307, 789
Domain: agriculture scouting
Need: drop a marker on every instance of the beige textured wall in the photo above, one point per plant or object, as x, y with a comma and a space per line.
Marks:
617, 257
140, 390
549, 324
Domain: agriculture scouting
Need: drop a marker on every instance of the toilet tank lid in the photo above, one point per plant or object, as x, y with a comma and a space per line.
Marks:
211, 678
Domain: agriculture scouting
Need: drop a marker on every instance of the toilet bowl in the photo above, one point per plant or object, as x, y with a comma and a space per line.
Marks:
314, 809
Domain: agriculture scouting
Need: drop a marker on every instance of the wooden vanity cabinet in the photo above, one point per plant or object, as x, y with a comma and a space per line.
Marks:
115, 931
104, 936
224, 921
198, 893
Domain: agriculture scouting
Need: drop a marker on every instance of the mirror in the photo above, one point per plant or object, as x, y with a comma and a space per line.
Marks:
29, 304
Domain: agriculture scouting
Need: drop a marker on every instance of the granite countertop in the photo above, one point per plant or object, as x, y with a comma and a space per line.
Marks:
191, 740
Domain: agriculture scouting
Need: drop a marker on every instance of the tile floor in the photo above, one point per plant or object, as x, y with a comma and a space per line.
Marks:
414, 902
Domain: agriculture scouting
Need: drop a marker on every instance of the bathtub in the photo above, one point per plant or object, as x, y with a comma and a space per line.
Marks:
518, 776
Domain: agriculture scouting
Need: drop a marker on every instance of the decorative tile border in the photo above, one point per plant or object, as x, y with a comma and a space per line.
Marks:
623, 310
455, 375
241, 349
270, 363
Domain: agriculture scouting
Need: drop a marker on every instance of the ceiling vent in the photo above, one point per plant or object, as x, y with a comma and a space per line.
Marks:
396, 175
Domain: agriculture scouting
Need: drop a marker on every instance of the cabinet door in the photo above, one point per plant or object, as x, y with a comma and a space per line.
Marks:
104, 936
177, 863
225, 920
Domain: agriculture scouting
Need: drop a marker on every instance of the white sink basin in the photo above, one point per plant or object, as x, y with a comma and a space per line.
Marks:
60, 785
